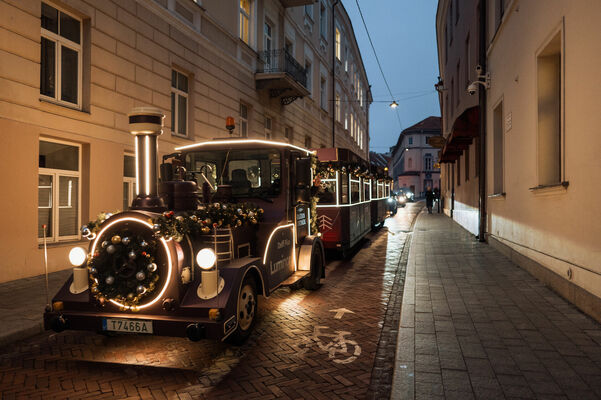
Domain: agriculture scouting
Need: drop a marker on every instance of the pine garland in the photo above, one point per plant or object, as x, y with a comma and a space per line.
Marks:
206, 218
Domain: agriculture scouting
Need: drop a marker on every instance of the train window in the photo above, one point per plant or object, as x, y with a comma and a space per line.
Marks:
380, 190
355, 191
374, 189
327, 192
251, 173
367, 190
344, 189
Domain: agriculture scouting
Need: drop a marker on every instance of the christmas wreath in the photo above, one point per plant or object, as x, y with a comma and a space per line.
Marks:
124, 269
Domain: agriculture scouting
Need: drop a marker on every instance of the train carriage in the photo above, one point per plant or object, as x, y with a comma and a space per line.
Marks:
352, 199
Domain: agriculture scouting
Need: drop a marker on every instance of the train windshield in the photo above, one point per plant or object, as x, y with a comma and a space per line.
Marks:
251, 173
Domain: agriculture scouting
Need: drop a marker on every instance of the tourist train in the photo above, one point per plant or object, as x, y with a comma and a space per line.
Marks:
230, 219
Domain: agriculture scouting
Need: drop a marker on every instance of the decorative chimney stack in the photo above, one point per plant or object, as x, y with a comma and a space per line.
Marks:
146, 124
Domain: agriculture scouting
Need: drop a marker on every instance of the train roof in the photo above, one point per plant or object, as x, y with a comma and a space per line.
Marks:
238, 143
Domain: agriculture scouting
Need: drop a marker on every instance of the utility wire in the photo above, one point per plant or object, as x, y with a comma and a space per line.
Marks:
378, 61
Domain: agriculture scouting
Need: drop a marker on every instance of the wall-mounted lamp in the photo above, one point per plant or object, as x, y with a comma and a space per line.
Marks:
439, 86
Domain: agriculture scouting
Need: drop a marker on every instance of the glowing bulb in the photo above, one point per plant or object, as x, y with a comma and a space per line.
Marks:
77, 256
394, 104
206, 258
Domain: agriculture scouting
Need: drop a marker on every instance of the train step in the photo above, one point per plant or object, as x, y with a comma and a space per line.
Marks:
295, 278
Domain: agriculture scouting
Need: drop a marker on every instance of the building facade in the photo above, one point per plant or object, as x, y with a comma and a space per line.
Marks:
540, 139
457, 27
413, 160
72, 69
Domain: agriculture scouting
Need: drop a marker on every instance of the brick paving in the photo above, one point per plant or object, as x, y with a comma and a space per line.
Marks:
282, 359
476, 326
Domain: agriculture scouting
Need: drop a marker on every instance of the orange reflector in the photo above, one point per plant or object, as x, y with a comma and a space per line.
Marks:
214, 314
57, 305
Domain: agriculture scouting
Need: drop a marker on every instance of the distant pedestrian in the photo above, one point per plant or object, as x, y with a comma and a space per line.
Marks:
429, 199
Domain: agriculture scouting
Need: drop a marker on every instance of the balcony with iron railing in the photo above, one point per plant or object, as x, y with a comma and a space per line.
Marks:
280, 74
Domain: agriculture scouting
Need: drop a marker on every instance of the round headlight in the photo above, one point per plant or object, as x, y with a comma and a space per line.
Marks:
206, 258
77, 256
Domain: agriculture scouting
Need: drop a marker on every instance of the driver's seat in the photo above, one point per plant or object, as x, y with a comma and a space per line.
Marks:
240, 183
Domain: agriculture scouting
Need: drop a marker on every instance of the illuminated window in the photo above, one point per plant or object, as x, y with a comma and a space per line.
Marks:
60, 63
58, 190
129, 180
245, 13
179, 103
338, 44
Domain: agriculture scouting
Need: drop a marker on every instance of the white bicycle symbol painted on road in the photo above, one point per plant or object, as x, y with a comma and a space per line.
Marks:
340, 349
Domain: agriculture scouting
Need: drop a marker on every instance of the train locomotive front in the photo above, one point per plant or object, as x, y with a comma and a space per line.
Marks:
190, 262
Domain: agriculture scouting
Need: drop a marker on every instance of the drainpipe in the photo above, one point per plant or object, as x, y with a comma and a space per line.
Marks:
334, 72
482, 119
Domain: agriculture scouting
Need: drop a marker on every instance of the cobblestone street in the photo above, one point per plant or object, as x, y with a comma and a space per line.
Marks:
318, 345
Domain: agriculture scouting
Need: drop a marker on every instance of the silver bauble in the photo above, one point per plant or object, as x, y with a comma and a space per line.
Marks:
105, 243
140, 289
156, 227
109, 280
132, 255
143, 243
111, 249
140, 276
151, 267
93, 271
126, 240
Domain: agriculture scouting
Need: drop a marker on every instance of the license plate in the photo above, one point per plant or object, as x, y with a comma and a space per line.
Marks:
126, 325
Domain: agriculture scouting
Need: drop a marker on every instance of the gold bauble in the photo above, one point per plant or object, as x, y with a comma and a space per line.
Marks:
130, 296
116, 239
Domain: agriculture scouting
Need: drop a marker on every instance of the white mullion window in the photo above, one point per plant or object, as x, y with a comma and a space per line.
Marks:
61, 58
179, 103
59, 190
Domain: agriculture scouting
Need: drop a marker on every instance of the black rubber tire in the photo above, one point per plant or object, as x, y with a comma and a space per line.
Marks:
240, 334
313, 281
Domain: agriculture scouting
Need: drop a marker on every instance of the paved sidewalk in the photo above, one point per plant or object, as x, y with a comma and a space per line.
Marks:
474, 325
22, 305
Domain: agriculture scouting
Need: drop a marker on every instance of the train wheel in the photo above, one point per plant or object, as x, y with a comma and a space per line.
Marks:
247, 311
313, 281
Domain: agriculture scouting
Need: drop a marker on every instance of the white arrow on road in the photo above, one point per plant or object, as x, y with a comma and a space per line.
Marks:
340, 312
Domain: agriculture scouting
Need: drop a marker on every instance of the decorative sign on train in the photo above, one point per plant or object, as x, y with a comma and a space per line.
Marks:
302, 220
279, 256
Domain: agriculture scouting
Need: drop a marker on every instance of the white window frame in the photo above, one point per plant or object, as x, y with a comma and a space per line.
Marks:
323, 20
309, 71
268, 130
60, 42
179, 92
56, 174
323, 92
338, 109
243, 120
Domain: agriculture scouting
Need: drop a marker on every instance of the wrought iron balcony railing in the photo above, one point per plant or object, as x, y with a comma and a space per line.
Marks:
277, 61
